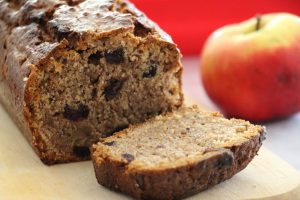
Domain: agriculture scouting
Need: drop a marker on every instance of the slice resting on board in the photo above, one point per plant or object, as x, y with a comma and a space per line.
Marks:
176, 155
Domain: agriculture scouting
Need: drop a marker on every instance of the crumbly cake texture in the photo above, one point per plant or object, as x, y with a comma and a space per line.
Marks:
74, 71
176, 155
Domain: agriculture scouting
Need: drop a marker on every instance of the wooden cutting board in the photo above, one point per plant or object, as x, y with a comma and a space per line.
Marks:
24, 177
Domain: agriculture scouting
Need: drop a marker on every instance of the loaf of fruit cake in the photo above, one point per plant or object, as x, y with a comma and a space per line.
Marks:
74, 71
176, 155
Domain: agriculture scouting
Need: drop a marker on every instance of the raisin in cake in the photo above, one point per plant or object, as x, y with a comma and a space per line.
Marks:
175, 155
74, 71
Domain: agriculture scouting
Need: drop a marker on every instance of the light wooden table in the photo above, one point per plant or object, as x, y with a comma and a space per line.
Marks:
24, 177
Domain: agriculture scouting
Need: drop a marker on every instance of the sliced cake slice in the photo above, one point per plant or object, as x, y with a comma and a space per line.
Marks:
176, 155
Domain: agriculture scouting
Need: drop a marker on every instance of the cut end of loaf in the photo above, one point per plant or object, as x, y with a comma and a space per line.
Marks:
87, 94
176, 155
102, 76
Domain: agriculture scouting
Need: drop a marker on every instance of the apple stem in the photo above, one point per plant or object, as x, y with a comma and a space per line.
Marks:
258, 20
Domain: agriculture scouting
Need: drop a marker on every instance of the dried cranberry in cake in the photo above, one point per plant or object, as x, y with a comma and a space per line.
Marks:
74, 114
225, 161
94, 58
81, 151
112, 88
128, 157
151, 72
111, 143
114, 56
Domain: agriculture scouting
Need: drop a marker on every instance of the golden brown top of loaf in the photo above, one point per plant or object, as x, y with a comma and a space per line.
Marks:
37, 27
63, 17
32, 31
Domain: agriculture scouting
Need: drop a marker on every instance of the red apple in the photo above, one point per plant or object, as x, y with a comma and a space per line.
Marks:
251, 70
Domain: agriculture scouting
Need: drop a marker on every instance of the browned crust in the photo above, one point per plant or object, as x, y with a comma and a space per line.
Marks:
180, 182
31, 33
